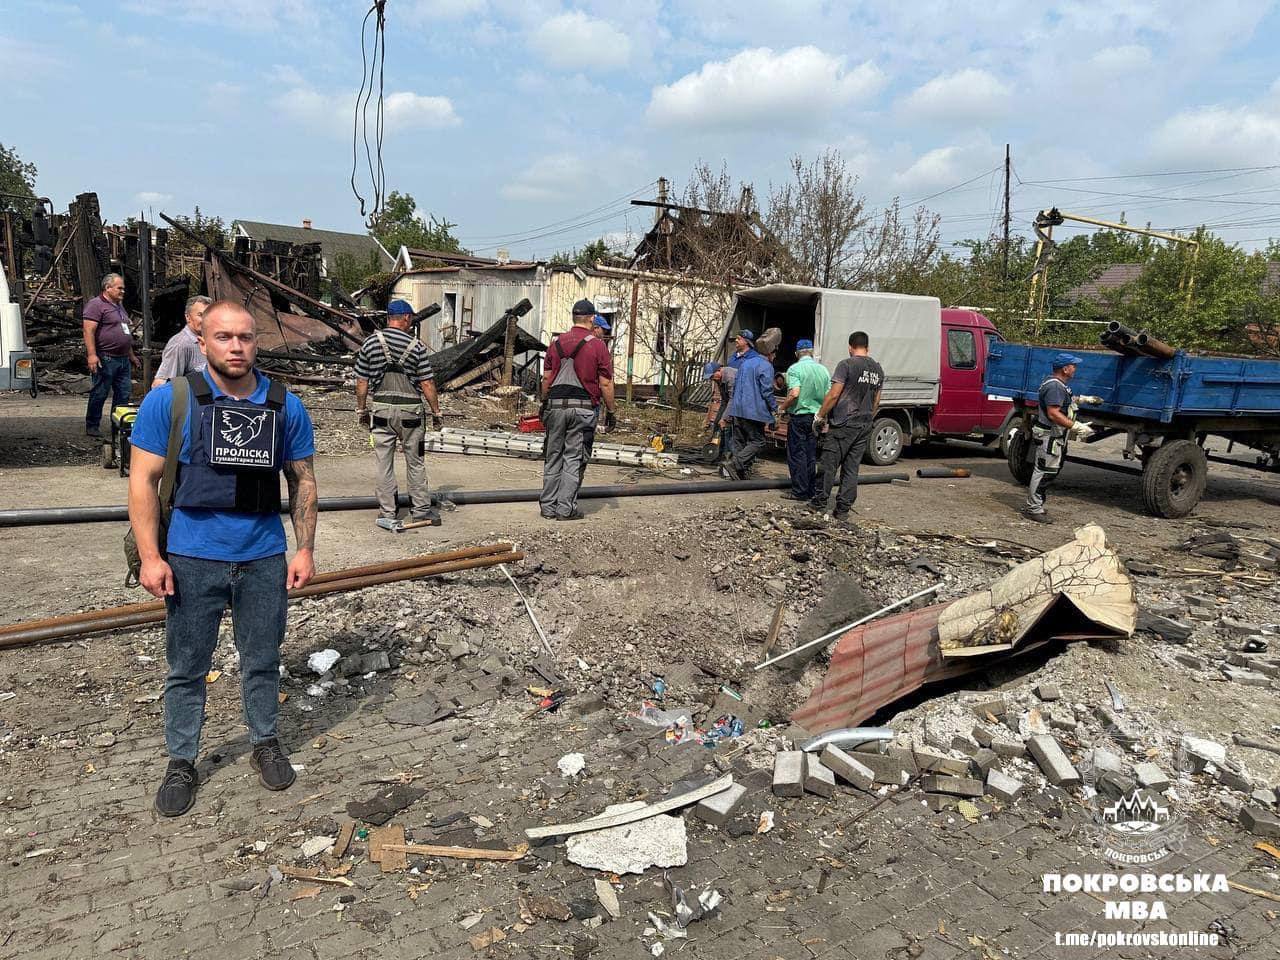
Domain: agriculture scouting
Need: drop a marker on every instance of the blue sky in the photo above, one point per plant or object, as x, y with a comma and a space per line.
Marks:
529, 123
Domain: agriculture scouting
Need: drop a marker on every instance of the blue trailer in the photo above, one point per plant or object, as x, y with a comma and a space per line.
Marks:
1164, 402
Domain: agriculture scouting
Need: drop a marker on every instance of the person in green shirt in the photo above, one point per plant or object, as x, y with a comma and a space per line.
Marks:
807, 383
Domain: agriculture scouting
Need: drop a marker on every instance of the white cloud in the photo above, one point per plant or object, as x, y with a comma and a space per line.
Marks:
935, 168
1118, 61
151, 197
403, 110
1222, 136
423, 11
556, 177
799, 87
964, 97
575, 41
245, 15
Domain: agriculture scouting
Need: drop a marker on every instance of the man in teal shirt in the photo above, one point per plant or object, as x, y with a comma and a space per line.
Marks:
807, 383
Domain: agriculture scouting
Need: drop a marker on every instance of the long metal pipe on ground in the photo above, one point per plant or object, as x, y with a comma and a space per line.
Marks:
942, 473
102, 514
67, 628
424, 560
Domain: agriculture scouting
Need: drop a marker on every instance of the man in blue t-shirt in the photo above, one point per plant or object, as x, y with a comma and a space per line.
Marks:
225, 545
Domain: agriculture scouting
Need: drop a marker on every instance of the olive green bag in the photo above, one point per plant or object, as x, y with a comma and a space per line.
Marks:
177, 419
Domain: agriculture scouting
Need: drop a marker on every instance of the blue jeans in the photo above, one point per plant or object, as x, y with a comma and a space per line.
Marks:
203, 589
802, 455
113, 378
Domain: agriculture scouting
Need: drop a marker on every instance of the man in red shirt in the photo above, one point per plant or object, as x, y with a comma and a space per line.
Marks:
572, 395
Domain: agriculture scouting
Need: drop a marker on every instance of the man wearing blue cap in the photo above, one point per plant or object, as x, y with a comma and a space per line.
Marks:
1053, 422
752, 407
392, 371
807, 385
578, 377
743, 344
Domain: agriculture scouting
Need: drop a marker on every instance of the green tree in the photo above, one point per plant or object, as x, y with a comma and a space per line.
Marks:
586, 256
352, 271
399, 224
17, 178
212, 230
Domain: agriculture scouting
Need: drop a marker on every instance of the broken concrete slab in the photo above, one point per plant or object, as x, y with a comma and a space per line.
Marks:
1264, 797
982, 736
1240, 628
1197, 753
1233, 777
788, 773
633, 847
996, 706
1117, 726
1049, 692
608, 898
1151, 776
1248, 678
721, 807
1009, 749
887, 768
937, 802
984, 761
1260, 822
817, 778
1053, 762
381, 807
934, 762
1003, 787
1174, 631
1102, 761
847, 768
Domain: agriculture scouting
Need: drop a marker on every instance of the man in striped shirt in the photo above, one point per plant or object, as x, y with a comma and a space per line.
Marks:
393, 377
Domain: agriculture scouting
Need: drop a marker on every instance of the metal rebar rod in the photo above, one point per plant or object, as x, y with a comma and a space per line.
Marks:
849, 626
546, 645
116, 619
103, 514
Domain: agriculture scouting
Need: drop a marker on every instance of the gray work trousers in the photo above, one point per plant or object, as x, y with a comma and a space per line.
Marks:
568, 433
842, 451
1051, 450
403, 429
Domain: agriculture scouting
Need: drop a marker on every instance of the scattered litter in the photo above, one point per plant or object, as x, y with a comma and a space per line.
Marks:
466, 923
316, 846
487, 939
212, 676
544, 908
381, 807
668, 931
608, 898
7, 695
766, 822
322, 661
571, 764
706, 905
632, 812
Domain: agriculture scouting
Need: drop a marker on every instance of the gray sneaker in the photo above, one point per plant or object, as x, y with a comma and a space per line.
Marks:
177, 792
1037, 516
272, 766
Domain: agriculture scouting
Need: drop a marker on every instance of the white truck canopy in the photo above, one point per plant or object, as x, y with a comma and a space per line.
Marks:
905, 331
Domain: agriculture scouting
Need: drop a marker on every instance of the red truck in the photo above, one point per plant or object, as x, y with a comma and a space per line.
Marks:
934, 359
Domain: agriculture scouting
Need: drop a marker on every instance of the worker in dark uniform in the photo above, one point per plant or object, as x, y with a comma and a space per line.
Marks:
1053, 422
849, 408
577, 380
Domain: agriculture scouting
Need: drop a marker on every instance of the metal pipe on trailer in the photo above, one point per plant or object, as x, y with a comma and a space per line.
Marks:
105, 514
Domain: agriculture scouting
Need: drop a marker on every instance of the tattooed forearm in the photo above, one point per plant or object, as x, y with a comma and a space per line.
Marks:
303, 501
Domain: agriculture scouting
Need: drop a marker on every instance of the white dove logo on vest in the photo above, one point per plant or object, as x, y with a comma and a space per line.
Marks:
239, 429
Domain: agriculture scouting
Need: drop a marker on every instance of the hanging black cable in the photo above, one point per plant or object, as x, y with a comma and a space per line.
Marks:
372, 71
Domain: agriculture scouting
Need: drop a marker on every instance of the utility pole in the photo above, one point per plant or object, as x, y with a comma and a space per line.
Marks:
1008, 169
662, 198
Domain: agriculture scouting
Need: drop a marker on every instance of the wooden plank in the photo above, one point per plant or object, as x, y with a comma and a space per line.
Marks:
631, 816
775, 627
378, 853
455, 853
344, 839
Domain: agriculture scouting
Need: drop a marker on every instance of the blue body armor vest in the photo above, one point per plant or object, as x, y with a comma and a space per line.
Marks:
237, 452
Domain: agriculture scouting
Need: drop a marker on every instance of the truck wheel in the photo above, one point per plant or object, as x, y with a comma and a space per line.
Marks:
1174, 478
1021, 449
885, 445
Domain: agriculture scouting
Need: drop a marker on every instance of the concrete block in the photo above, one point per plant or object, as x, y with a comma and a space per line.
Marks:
1198, 753
722, 807
847, 768
1105, 761
1263, 797
1174, 631
995, 706
1260, 822
933, 762
985, 761
1002, 786
1049, 692
1115, 785
1240, 628
1062, 718
1248, 678
1190, 661
1053, 762
1009, 749
885, 768
1151, 776
1117, 725
903, 755
965, 745
982, 736
817, 778
1210, 603
788, 773
956, 786
938, 802
1233, 778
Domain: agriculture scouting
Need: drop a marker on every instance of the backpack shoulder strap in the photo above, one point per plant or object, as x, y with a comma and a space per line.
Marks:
200, 389
182, 389
275, 395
